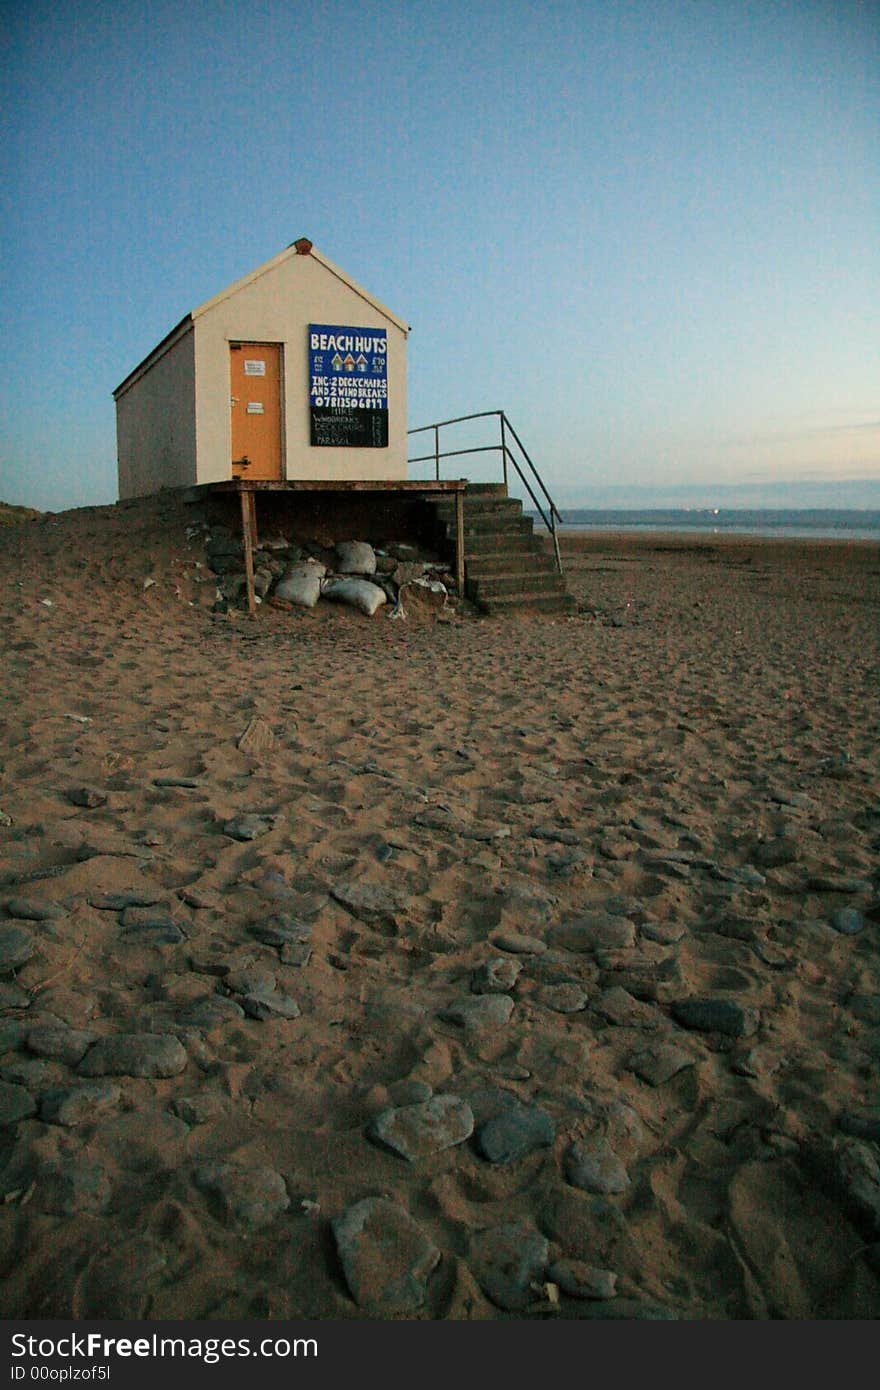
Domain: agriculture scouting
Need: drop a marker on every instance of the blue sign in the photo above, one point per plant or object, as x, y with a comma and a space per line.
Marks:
348, 385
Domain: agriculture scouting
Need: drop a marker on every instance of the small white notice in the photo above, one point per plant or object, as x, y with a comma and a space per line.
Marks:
255, 407
254, 367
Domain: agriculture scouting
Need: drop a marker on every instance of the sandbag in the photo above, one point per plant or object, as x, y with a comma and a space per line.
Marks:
301, 583
359, 593
355, 557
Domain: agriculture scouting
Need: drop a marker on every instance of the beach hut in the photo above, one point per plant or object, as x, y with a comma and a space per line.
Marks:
292, 380
294, 372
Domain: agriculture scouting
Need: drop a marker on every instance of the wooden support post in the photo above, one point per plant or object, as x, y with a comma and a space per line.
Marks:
249, 538
459, 543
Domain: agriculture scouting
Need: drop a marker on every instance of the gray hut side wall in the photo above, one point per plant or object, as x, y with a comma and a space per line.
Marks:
156, 423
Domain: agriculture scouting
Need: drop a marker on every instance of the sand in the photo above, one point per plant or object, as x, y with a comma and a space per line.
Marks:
582, 910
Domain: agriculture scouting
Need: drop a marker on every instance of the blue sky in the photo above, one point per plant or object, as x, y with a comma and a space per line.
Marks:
649, 231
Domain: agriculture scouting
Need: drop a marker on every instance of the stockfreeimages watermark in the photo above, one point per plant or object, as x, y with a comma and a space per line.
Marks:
30, 1353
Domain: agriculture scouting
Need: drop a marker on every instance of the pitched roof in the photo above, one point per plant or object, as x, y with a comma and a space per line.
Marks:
302, 247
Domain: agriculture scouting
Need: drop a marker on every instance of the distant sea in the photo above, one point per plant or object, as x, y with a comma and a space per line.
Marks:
810, 523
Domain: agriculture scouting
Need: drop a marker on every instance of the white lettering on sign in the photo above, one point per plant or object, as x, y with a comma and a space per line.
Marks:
254, 368
255, 408
346, 342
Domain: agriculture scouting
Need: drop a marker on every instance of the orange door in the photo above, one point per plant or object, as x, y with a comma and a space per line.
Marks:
255, 391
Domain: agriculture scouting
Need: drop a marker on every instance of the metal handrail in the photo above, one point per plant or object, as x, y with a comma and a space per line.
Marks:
506, 454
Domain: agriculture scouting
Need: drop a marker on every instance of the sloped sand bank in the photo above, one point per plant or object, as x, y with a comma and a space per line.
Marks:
609, 882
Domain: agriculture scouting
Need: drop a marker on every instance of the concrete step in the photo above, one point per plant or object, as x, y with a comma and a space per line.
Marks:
487, 543
510, 562
525, 602
480, 506
507, 567
476, 525
526, 581
486, 490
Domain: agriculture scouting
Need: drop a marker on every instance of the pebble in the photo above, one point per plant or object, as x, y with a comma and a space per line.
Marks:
624, 1125
744, 875
665, 933
250, 979
16, 1103
556, 833
601, 931
617, 847
118, 902
563, 998
247, 827
298, 954
437, 818
595, 1167
246, 1195
484, 832
211, 1011
671, 868
387, 1260
414, 1131
97, 842
13, 1032
515, 1133
480, 1014
198, 1109
187, 783
258, 737
772, 854
409, 1091
826, 883
848, 921
75, 1185
865, 1007
495, 976
517, 943
12, 996
33, 1073
861, 1126
679, 856
16, 948
624, 905
617, 1006
281, 930
659, 1064
369, 902
579, 1280
567, 863
708, 1015
34, 909
202, 899
657, 981
798, 800
508, 1262
771, 955
269, 1004
134, 1054
857, 1172
121, 1282
74, 1104
152, 926
88, 797
747, 1063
